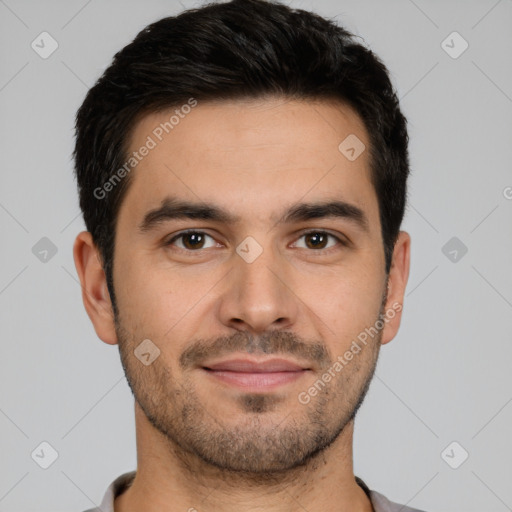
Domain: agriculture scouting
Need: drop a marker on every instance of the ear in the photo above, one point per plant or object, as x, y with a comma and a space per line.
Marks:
95, 295
397, 281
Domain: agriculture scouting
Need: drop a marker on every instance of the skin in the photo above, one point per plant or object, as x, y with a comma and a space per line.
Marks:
200, 442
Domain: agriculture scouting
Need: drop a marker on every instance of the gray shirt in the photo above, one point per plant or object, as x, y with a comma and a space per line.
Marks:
379, 502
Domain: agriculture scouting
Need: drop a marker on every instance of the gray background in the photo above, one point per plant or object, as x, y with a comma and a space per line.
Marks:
446, 377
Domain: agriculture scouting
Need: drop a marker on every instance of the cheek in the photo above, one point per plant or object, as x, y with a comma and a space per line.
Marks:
146, 287
345, 304
166, 305
146, 305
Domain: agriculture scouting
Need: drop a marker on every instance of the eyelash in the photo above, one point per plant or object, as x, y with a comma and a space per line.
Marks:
340, 241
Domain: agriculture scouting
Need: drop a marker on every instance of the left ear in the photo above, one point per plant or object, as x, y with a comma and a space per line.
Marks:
397, 281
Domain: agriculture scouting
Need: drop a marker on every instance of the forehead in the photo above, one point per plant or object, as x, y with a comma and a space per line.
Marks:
251, 157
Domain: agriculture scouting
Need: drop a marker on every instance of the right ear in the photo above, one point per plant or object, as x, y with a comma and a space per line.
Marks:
95, 295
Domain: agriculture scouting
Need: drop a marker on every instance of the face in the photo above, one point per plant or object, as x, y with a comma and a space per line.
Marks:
249, 253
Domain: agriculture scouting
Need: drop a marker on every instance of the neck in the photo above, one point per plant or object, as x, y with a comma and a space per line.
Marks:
169, 479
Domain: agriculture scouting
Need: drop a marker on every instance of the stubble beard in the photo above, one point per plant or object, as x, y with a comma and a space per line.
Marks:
262, 445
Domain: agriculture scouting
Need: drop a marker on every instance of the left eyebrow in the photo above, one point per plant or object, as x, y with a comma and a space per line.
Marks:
173, 208
340, 209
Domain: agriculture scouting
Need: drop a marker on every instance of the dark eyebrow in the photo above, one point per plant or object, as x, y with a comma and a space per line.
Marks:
340, 209
172, 208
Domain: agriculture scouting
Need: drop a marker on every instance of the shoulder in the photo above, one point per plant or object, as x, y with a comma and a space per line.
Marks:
117, 487
382, 504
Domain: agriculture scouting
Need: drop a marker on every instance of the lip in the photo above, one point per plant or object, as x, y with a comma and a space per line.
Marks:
256, 376
252, 366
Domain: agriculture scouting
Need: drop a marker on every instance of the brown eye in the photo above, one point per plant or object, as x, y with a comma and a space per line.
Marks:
191, 240
318, 240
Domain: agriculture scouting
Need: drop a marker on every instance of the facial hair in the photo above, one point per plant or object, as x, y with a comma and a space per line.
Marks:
261, 444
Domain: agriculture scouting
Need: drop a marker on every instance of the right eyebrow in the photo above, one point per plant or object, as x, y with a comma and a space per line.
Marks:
173, 208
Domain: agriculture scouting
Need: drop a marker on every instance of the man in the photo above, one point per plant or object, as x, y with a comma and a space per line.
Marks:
242, 174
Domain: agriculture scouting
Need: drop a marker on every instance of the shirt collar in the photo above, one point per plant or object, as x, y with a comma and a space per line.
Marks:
379, 502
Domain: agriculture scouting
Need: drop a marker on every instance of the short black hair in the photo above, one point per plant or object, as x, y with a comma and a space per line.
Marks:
226, 51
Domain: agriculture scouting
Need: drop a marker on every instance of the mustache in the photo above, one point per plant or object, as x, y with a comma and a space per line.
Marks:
274, 342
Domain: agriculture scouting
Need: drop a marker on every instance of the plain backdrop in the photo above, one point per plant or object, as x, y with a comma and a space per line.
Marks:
445, 378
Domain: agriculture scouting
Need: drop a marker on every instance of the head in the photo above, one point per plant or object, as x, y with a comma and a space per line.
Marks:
276, 140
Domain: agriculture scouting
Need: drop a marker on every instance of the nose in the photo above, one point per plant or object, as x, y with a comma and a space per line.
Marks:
258, 295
